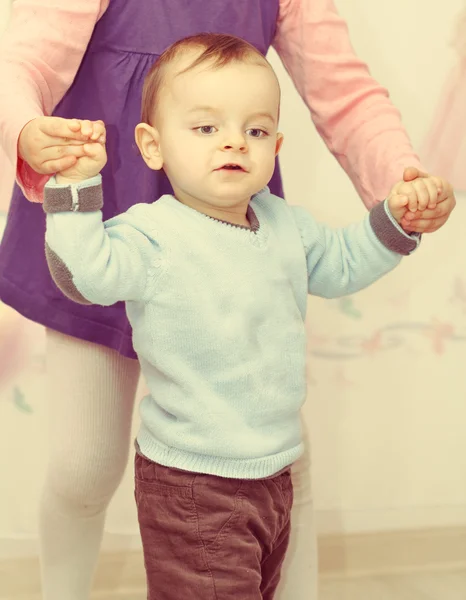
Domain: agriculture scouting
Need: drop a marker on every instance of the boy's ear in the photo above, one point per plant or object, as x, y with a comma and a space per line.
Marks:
148, 141
278, 143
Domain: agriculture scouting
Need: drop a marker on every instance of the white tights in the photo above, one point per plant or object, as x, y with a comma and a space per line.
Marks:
91, 397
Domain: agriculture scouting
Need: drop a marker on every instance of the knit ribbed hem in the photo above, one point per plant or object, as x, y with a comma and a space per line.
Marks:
232, 468
80, 196
389, 232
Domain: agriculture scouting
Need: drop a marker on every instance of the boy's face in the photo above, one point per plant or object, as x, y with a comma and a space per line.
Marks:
217, 131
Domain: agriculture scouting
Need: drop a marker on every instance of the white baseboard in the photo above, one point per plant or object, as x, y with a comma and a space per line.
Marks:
392, 551
122, 573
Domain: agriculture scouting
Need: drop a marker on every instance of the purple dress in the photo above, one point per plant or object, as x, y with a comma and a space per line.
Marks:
108, 86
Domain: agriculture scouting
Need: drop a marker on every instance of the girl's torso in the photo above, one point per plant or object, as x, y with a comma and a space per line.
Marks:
108, 86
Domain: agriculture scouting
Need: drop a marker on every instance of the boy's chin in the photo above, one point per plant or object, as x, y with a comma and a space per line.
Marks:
234, 193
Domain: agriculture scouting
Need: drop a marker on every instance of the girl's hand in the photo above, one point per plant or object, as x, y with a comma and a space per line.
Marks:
93, 157
51, 144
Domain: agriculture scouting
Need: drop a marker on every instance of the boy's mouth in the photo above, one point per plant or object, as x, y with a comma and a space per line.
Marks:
231, 167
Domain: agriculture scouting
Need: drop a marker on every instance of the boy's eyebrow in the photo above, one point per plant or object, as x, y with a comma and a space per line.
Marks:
263, 115
211, 109
202, 109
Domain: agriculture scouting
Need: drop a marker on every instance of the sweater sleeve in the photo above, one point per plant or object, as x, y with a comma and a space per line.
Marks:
343, 261
352, 112
40, 54
93, 262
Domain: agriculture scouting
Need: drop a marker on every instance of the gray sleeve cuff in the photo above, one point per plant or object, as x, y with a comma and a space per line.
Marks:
389, 232
83, 196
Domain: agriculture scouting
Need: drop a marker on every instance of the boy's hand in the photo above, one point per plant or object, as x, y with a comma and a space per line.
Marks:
422, 193
93, 157
398, 203
418, 199
431, 219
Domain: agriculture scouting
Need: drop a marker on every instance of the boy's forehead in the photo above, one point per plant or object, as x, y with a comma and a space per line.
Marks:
180, 67
178, 89
183, 59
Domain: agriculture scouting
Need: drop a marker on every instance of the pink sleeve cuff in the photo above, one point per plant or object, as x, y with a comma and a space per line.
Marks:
30, 182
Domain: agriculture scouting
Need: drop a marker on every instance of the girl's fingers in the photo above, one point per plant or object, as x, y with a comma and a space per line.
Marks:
93, 150
54, 142
57, 165
98, 133
86, 128
58, 128
422, 194
58, 152
432, 191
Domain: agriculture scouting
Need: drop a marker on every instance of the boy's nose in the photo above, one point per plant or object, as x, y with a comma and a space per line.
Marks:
235, 141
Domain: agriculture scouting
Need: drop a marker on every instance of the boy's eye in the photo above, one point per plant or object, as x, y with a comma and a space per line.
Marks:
256, 133
206, 129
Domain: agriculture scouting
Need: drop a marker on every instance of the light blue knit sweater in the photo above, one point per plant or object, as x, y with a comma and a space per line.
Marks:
217, 313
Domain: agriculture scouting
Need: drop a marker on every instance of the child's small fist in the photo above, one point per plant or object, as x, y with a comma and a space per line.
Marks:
422, 193
397, 203
93, 130
95, 155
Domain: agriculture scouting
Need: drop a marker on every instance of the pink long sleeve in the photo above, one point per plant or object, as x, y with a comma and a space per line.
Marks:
40, 54
351, 112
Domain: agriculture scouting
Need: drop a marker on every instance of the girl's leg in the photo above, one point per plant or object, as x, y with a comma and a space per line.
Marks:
91, 392
299, 577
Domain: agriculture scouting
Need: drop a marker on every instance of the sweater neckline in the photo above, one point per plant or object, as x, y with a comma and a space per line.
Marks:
254, 224
257, 235
254, 228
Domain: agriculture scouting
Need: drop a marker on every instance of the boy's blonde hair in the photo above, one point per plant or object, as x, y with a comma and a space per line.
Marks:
219, 49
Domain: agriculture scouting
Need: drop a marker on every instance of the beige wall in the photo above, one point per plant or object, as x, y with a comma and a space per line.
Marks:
4, 13
6, 170
389, 449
